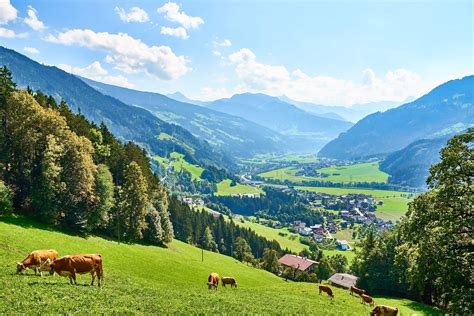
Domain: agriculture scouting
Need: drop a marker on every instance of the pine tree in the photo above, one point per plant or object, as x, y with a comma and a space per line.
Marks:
242, 250
154, 231
161, 204
135, 202
208, 241
104, 190
270, 261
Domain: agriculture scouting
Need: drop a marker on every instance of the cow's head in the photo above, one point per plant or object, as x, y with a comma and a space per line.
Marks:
20, 267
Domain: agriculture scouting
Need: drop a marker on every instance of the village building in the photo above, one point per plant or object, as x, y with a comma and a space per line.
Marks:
297, 262
343, 245
343, 280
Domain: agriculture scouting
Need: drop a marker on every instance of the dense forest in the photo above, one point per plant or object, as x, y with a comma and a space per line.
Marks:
430, 255
275, 204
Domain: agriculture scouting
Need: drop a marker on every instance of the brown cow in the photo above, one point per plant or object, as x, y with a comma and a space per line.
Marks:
36, 260
213, 280
357, 290
70, 265
229, 280
326, 289
367, 299
384, 310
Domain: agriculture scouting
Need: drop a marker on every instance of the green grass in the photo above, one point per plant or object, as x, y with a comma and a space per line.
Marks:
395, 202
179, 164
363, 172
148, 279
224, 188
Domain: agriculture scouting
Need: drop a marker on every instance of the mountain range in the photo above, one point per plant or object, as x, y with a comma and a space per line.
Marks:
447, 109
128, 123
234, 135
304, 131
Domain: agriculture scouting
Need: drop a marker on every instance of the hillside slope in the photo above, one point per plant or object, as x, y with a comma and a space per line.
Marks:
232, 134
307, 132
410, 166
446, 109
124, 121
146, 279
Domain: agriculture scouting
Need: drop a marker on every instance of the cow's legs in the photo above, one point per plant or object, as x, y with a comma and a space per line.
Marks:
73, 276
93, 277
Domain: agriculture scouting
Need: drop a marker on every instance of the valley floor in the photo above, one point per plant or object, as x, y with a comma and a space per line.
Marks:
148, 279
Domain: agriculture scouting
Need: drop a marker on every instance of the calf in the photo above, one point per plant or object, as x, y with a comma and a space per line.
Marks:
326, 289
357, 290
213, 280
229, 280
384, 310
36, 259
367, 299
81, 264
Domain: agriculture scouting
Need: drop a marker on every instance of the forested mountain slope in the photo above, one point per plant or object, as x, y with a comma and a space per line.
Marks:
125, 121
232, 134
446, 109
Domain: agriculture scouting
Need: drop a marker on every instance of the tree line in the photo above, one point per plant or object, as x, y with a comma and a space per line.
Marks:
429, 256
65, 171
285, 207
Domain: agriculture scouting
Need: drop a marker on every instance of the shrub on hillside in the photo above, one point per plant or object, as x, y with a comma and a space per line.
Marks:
6, 202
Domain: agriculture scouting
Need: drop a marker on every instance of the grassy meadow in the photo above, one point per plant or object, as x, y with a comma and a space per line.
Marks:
177, 161
362, 172
224, 188
148, 279
395, 203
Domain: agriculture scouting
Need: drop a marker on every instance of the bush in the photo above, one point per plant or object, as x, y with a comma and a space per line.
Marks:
6, 199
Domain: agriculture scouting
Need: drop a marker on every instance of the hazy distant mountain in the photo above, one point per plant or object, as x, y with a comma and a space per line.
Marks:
410, 166
308, 132
352, 114
178, 96
125, 121
446, 109
232, 134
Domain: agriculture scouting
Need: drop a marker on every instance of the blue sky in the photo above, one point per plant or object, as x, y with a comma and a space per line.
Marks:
338, 52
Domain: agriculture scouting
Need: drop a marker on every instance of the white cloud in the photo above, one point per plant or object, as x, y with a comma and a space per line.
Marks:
395, 85
216, 53
95, 72
31, 50
128, 54
135, 14
33, 21
172, 13
11, 34
224, 43
7, 12
179, 32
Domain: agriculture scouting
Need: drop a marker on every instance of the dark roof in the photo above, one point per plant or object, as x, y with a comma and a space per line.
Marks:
343, 280
296, 262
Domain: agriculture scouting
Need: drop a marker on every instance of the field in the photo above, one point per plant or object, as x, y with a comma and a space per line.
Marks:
363, 172
395, 202
148, 279
268, 158
178, 163
224, 188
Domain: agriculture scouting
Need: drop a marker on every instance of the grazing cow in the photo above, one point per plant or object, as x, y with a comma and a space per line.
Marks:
384, 310
70, 265
36, 259
367, 299
229, 280
213, 280
357, 290
326, 289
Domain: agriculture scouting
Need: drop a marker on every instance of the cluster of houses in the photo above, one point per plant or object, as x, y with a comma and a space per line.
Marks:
247, 195
192, 201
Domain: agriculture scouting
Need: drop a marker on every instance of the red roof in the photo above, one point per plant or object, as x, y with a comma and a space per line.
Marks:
296, 262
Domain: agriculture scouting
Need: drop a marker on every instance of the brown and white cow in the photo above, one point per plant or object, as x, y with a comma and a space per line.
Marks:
229, 280
367, 299
213, 280
78, 264
357, 290
384, 310
326, 289
36, 259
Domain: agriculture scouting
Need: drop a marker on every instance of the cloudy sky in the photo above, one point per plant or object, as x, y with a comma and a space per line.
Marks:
337, 53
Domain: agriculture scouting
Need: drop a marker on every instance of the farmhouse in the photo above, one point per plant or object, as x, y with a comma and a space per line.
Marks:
343, 280
343, 245
297, 262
